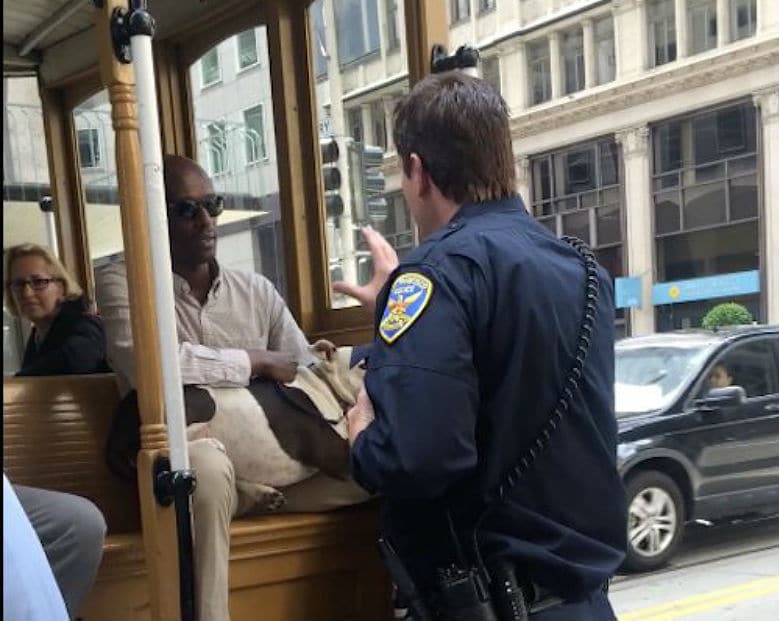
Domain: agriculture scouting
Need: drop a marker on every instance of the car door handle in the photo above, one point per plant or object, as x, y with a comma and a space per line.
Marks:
772, 407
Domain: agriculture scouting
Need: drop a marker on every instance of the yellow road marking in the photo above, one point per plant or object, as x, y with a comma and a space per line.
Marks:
705, 601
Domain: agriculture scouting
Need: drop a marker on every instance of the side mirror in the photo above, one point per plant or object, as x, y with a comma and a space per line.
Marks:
717, 398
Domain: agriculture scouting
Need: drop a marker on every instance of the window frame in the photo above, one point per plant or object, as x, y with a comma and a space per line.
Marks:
546, 62
256, 63
601, 39
694, 9
367, 52
392, 16
455, 16
203, 84
265, 156
557, 216
659, 13
210, 138
578, 59
753, 14
96, 146
686, 170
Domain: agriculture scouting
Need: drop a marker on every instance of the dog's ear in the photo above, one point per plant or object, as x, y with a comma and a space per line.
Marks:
324, 348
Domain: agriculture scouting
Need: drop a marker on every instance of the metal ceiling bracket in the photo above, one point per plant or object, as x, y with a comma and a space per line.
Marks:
120, 35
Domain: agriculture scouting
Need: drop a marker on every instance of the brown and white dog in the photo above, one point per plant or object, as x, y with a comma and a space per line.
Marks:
280, 434
274, 434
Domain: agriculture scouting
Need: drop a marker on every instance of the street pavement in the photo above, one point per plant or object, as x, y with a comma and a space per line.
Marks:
720, 573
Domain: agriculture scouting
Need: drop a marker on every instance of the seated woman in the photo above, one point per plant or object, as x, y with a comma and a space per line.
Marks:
66, 339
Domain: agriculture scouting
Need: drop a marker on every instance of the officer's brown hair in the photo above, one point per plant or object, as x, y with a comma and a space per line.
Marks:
459, 127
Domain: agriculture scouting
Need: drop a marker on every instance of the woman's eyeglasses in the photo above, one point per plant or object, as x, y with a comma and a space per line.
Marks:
188, 208
36, 284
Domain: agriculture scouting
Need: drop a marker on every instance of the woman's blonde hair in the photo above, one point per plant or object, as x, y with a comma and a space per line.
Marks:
72, 289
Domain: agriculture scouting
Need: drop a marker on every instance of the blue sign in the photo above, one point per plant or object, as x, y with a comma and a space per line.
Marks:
721, 286
627, 292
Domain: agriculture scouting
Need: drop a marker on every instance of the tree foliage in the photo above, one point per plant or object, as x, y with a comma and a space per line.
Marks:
728, 314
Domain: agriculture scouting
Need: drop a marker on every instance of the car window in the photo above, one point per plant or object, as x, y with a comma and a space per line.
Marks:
751, 365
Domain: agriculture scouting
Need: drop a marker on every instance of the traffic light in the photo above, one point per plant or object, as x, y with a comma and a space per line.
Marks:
331, 175
374, 183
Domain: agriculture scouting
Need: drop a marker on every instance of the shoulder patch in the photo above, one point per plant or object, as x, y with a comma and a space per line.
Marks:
408, 297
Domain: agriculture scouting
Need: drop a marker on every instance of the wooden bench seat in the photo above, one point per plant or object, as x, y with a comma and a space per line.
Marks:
288, 567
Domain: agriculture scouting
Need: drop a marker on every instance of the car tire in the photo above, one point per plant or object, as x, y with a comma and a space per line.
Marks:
655, 521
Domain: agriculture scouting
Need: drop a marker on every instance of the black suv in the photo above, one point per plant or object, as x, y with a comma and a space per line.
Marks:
698, 416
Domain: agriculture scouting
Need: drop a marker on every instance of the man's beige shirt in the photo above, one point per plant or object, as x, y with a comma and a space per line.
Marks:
243, 311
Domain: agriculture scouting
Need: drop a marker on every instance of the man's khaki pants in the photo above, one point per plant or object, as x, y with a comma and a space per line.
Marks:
216, 501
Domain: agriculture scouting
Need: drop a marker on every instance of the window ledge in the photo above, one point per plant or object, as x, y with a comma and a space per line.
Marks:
242, 70
204, 87
360, 60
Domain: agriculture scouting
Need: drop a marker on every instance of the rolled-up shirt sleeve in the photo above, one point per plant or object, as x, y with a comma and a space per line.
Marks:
212, 366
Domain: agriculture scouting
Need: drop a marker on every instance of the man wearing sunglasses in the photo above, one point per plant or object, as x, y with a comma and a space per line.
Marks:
232, 326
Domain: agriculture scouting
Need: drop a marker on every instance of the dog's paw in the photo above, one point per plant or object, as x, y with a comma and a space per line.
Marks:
258, 498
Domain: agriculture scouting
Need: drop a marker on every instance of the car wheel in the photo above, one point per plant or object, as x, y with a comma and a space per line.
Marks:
655, 520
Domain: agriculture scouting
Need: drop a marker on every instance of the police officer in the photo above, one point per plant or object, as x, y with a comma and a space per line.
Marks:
477, 329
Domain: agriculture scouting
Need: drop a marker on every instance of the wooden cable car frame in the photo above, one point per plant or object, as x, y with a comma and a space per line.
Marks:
183, 40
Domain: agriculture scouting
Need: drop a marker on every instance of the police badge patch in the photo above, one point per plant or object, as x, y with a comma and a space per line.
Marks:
408, 297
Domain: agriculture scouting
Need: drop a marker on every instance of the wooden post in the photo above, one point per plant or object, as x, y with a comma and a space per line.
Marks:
159, 527
426, 25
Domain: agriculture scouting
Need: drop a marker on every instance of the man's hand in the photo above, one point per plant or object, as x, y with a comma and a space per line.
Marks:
385, 259
275, 365
360, 416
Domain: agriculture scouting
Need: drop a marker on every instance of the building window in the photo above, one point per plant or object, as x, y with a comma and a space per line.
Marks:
572, 44
743, 14
705, 196
217, 147
459, 10
379, 124
393, 25
354, 123
89, 153
605, 60
485, 6
578, 191
318, 41
662, 31
357, 26
254, 128
490, 71
702, 21
247, 49
210, 71
539, 71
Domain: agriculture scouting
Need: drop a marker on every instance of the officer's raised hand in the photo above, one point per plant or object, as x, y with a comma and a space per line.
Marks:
385, 260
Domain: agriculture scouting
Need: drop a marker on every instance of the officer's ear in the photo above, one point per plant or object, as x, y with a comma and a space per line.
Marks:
420, 179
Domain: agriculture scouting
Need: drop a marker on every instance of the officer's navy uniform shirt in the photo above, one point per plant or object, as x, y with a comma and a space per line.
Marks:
466, 388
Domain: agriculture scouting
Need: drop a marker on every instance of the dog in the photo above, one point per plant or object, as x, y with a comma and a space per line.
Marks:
274, 434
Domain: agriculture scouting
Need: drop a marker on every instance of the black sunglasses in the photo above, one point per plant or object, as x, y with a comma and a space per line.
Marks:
189, 208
